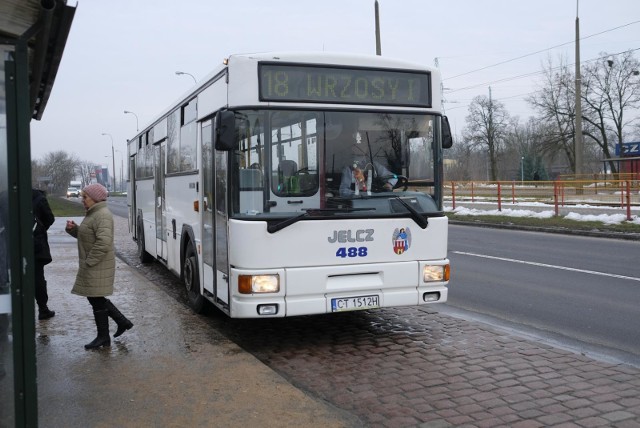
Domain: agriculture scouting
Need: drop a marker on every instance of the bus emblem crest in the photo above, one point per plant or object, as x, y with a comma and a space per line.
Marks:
401, 240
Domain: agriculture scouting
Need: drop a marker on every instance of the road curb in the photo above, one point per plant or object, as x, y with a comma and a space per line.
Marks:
591, 233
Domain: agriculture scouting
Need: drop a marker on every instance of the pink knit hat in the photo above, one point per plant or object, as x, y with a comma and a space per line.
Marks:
96, 191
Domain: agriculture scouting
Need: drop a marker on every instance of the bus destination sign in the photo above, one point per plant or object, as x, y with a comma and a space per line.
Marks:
337, 85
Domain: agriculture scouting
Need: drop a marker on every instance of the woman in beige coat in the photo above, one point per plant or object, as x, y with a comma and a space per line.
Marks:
97, 263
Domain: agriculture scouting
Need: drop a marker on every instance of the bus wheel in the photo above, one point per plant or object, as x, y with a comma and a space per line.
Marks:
192, 280
143, 256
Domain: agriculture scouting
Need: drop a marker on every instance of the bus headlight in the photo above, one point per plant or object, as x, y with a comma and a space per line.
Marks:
435, 273
249, 284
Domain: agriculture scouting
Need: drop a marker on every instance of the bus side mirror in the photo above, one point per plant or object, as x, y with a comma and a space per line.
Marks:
447, 138
224, 131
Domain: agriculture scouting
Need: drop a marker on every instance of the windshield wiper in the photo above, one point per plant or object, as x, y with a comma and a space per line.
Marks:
338, 210
272, 228
415, 215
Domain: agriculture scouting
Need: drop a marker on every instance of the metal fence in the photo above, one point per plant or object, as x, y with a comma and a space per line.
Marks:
560, 193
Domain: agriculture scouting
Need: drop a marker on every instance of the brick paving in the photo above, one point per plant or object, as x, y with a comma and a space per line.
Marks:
409, 367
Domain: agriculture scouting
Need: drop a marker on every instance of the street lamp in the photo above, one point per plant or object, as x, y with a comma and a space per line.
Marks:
130, 112
180, 73
113, 159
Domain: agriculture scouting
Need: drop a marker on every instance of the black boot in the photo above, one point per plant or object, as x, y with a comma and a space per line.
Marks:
45, 313
123, 323
102, 323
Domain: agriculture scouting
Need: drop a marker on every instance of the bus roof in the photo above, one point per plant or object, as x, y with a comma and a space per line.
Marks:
334, 58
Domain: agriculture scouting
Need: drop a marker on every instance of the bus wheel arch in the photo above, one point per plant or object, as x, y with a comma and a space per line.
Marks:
191, 276
143, 256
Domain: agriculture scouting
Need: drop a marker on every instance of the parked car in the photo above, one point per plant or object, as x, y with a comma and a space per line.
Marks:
73, 192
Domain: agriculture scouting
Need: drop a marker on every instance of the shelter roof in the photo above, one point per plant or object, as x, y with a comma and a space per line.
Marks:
44, 25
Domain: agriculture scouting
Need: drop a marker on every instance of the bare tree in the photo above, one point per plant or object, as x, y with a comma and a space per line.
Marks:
458, 162
38, 173
84, 170
526, 149
635, 132
555, 104
60, 166
611, 89
487, 127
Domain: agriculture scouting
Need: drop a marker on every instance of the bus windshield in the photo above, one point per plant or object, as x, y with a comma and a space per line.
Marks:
328, 163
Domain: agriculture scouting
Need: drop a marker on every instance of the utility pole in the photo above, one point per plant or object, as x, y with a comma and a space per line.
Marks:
490, 137
113, 160
578, 145
378, 47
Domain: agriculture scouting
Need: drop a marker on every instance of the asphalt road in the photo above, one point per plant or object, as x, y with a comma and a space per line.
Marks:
118, 206
580, 292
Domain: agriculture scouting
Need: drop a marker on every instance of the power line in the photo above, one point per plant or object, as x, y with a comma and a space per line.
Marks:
462, 105
521, 76
540, 51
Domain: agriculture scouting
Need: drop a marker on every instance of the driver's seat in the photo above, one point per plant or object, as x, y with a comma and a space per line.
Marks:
286, 172
288, 167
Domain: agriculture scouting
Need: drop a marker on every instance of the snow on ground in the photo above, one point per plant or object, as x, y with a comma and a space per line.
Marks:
508, 212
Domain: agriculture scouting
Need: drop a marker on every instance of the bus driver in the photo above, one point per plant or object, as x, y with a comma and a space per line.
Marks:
358, 177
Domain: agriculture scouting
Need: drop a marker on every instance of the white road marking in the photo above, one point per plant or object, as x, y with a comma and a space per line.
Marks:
590, 272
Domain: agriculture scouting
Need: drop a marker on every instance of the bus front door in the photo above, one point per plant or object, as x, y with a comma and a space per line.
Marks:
214, 219
161, 215
208, 208
131, 200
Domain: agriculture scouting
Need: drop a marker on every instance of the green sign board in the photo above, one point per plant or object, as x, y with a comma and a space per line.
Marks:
344, 85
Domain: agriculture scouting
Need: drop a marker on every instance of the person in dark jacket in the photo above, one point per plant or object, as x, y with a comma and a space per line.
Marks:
97, 263
42, 219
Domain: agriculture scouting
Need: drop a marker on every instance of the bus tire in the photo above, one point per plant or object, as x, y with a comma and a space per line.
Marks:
143, 256
191, 280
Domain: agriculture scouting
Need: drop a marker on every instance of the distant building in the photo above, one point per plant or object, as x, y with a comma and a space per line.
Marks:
628, 159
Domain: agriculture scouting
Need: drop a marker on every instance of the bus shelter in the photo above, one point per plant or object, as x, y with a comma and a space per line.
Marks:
33, 34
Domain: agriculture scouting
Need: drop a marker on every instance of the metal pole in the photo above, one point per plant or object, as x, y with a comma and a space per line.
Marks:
522, 169
121, 172
378, 47
113, 159
578, 123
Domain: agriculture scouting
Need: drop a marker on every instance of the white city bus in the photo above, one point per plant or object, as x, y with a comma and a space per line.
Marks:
290, 184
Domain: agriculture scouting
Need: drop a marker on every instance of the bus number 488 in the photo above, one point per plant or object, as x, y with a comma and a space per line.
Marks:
351, 252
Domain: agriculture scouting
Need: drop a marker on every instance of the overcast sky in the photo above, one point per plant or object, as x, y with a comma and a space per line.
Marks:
123, 54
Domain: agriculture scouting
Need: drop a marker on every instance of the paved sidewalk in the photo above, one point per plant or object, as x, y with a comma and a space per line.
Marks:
170, 370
